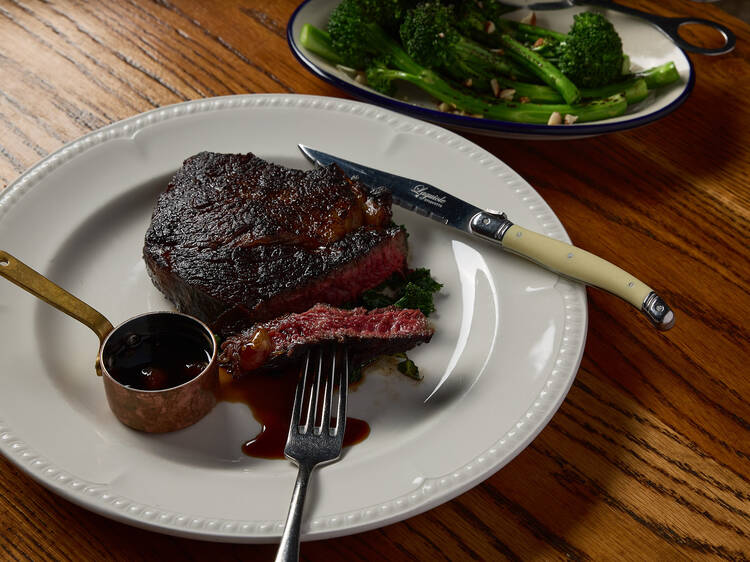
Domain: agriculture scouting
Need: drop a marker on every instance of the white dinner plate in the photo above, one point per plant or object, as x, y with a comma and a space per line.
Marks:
509, 336
645, 45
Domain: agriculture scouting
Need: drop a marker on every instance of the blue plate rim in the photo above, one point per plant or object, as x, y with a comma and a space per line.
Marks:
479, 124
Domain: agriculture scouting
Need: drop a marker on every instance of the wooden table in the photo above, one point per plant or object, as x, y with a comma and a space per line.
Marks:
649, 455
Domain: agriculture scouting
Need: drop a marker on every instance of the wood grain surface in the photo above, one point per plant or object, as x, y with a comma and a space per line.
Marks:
649, 456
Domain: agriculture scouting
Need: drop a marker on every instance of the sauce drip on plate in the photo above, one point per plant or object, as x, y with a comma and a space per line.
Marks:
270, 398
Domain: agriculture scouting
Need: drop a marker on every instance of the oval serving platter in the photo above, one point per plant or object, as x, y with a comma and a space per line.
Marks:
644, 43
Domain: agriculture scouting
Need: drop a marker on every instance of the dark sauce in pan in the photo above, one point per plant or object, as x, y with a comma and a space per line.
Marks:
158, 361
270, 398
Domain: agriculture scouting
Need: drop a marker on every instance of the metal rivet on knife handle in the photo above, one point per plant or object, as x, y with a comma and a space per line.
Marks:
490, 225
658, 312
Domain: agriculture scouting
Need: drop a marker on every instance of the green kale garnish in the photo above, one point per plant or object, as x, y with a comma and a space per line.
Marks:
372, 299
408, 368
416, 289
413, 290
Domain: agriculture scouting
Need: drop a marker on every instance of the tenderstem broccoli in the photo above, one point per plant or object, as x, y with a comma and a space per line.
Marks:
430, 38
659, 76
358, 36
590, 54
382, 77
634, 87
359, 40
544, 69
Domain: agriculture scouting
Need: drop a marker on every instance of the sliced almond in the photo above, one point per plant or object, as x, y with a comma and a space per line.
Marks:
489, 27
570, 119
507, 94
555, 118
495, 87
529, 18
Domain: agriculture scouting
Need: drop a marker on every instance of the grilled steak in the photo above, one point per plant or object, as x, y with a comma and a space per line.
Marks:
235, 240
268, 345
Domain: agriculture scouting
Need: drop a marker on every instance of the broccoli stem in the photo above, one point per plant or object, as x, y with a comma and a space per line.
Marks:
318, 41
479, 58
543, 69
383, 43
528, 32
519, 112
430, 82
625, 64
540, 113
659, 75
536, 93
634, 89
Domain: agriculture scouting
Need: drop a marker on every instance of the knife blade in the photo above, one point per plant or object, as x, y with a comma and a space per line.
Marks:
564, 259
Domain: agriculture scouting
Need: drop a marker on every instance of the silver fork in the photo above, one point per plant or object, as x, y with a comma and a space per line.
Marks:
312, 441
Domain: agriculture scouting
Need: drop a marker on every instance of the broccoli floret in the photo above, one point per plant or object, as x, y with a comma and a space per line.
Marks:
473, 17
393, 13
430, 38
591, 55
387, 14
354, 35
358, 37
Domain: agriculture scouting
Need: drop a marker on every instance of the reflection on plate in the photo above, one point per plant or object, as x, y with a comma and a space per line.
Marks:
509, 335
644, 43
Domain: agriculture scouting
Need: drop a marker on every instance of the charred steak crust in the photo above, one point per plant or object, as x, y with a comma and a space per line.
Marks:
270, 345
238, 236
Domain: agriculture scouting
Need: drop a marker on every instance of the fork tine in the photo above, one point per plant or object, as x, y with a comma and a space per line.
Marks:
312, 408
343, 373
330, 381
299, 397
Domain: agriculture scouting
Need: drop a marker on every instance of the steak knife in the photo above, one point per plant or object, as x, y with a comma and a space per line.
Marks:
559, 257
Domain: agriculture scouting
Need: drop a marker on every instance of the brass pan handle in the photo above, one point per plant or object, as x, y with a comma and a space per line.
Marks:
41, 287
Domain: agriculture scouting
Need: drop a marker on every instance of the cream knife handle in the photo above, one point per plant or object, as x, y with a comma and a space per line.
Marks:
574, 263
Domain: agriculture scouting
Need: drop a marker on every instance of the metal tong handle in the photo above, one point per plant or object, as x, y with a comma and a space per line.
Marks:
671, 26
38, 285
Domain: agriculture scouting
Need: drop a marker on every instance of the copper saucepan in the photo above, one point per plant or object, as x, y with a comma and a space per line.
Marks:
128, 347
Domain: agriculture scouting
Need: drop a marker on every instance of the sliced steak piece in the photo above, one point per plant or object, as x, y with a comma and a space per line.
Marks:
245, 239
270, 345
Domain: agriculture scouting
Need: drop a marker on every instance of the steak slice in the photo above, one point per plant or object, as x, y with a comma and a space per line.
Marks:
237, 237
270, 345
